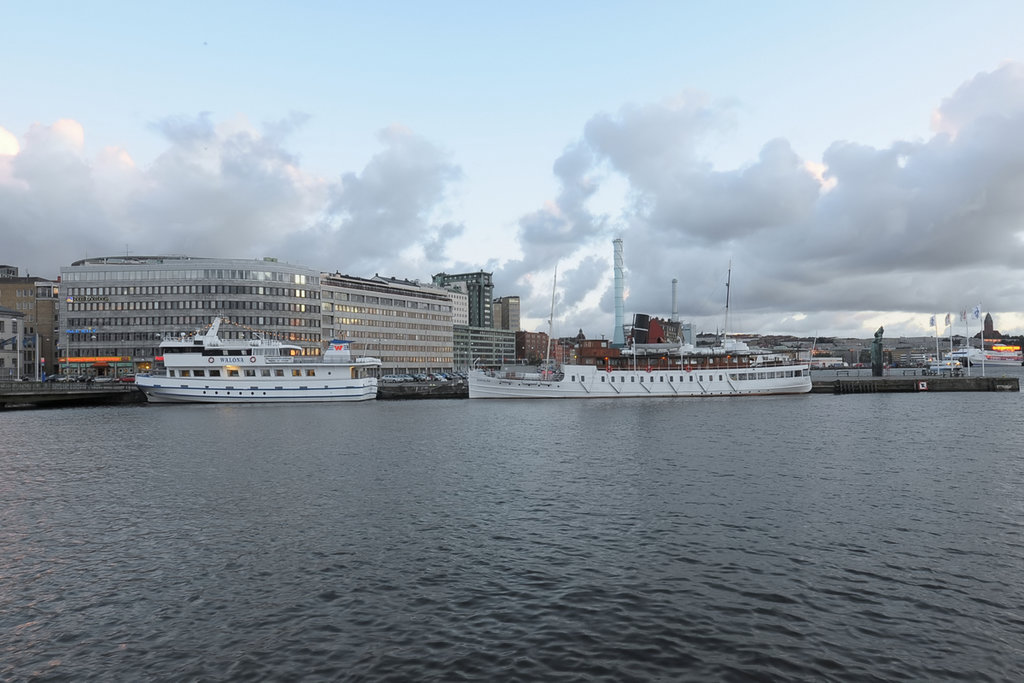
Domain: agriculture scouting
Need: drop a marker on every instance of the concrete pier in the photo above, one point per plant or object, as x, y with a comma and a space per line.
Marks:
60, 394
912, 384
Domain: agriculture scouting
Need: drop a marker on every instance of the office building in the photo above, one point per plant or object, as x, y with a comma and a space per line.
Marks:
480, 291
114, 310
408, 325
506, 313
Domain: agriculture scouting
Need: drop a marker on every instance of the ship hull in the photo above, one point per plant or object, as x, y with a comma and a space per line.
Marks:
175, 390
582, 381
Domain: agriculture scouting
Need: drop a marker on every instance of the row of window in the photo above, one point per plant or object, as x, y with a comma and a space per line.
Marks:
384, 301
247, 372
155, 290
404, 322
89, 325
190, 304
651, 379
195, 274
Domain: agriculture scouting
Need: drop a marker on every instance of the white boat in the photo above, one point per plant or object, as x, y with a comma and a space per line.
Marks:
947, 366
203, 368
655, 370
995, 356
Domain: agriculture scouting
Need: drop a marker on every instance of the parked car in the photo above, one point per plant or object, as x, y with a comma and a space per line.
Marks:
128, 378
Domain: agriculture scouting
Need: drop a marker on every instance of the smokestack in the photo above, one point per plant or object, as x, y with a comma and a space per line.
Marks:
617, 335
675, 308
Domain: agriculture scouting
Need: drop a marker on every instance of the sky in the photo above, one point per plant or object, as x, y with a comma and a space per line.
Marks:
852, 164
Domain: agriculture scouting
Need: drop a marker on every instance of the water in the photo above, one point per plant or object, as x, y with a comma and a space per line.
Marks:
818, 537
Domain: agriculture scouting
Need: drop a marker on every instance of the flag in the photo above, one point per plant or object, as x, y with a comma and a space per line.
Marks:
947, 320
976, 313
963, 315
931, 321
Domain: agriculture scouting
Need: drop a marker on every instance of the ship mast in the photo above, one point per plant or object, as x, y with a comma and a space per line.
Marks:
728, 285
551, 318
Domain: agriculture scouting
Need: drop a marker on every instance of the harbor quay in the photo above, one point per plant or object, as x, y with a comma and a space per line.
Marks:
908, 384
60, 395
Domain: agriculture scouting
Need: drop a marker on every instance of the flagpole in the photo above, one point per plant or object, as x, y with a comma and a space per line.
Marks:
949, 324
981, 334
967, 339
981, 321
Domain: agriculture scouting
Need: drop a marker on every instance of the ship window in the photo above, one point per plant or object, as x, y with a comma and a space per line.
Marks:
296, 373
214, 373
602, 378
184, 373
232, 373
265, 372
632, 379
249, 372
200, 373
691, 378
310, 372
278, 372
719, 378
661, 379
170, 373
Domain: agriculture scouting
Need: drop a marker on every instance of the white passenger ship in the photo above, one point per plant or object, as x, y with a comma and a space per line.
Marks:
655, 370
203, 368
998, 355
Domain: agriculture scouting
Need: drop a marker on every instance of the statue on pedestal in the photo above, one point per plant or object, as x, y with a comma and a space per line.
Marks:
876, 353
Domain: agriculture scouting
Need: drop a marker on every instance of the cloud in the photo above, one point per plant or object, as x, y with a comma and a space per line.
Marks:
223, 189
989, 95
915, 226
863, 236
388, 208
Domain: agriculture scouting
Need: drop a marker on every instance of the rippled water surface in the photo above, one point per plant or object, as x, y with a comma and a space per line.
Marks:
799, 538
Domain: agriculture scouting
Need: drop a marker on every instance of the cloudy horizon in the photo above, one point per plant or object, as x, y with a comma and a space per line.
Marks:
831, 226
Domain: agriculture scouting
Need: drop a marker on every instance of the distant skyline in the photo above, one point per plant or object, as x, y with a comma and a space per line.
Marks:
859, 164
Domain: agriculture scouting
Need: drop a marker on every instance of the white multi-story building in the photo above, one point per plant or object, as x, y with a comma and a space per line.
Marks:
115, 309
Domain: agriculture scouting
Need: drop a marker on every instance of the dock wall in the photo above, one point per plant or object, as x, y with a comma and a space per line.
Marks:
889, 385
